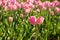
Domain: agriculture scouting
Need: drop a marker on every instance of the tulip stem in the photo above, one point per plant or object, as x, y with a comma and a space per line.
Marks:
37, 33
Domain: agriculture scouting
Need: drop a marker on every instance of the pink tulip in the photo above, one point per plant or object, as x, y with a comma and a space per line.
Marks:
43, 8
18, 5
27, 5
37, 10
14, 7
57, 9
32, 20
31, 1
46, 3
40, 4
27, 11
4, 2
21, 15
13, 2
51, 5
31, 6
52, 12
10, 7
40, 20
56, 3
49, 9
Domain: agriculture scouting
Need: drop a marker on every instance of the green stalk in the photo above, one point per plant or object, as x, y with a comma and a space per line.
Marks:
37, 33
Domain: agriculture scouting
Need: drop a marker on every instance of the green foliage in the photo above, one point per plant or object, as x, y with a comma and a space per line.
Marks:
21, 29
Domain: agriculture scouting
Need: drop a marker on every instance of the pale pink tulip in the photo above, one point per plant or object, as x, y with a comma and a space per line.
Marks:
40, 20
37, 10
52, 12
21, 15
10, 19
27, 11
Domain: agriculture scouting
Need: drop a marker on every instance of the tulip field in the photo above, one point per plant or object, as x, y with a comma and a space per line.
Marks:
29, 19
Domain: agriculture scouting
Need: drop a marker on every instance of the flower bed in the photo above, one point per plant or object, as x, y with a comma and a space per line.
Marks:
29, 20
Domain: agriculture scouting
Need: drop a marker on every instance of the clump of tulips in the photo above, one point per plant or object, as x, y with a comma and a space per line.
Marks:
29, 20
35, 21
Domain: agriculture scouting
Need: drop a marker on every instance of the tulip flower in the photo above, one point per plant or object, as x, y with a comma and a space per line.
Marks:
10, 7
21, 15
52, 12
14, 7
40, 20
57, 9
32, 20
10, 19
18, 5
27, 11
37, 10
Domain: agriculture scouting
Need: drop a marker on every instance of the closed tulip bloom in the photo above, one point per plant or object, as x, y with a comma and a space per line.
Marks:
32, 20
40, 20
52, 12
37, 10
10, 19
21, 15
27, 11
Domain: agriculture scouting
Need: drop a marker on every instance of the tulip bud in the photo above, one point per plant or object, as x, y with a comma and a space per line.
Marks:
27, 11
10, 19
21, 15
52, 12
14, 7
37, 10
